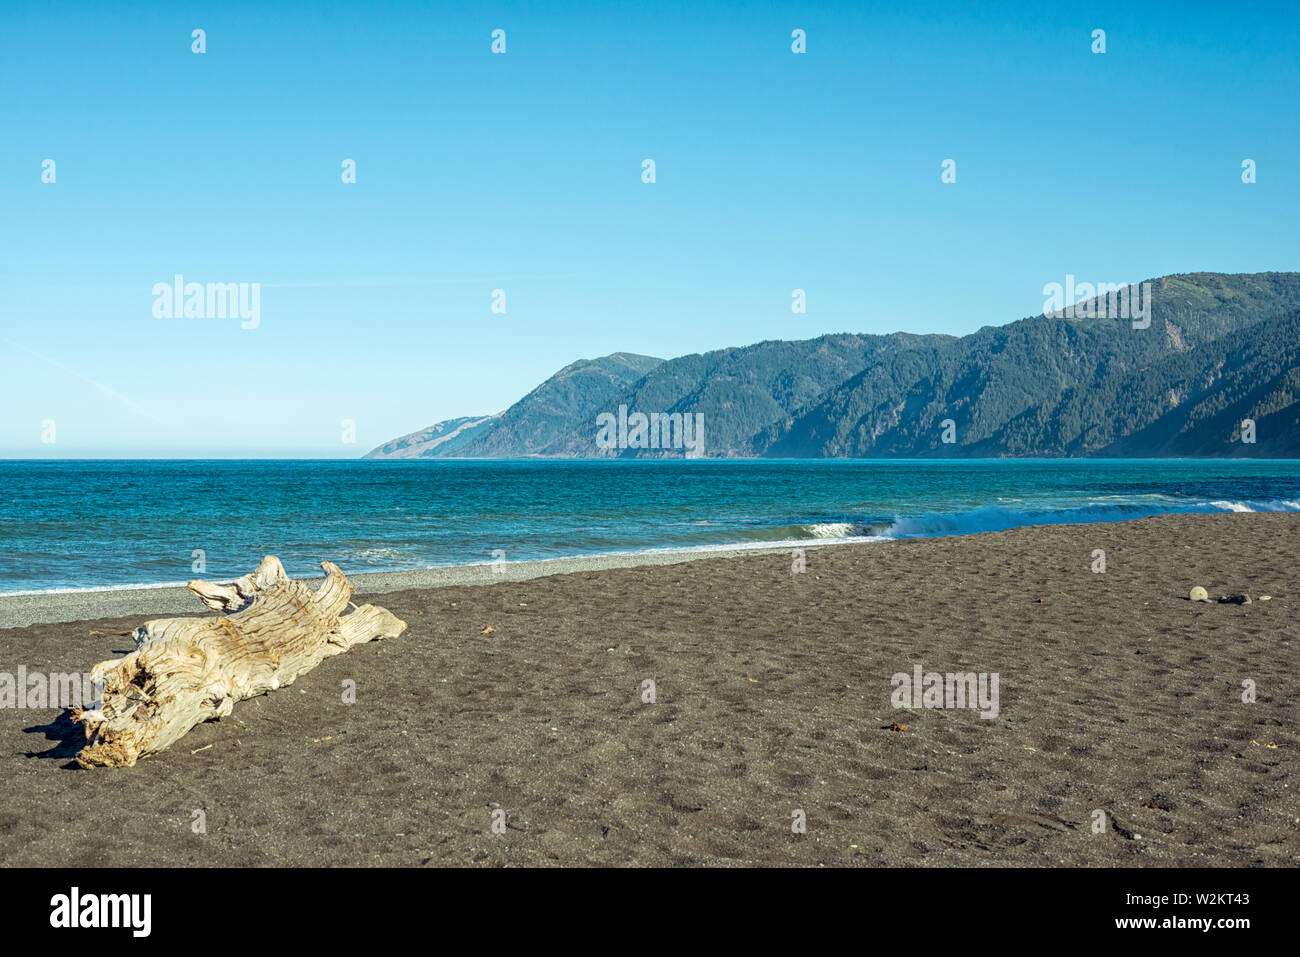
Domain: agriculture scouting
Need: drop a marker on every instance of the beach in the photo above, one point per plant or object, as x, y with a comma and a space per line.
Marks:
1120, 735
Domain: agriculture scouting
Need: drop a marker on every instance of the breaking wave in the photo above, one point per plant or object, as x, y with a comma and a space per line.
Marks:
839, 530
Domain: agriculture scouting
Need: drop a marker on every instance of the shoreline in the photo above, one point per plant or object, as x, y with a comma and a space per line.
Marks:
24, 608
19, 610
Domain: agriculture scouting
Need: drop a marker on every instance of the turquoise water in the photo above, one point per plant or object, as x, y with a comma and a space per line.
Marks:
115, 523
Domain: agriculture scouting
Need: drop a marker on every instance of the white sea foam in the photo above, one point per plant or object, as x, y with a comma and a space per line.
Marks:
377, 554
838, 530
76, 591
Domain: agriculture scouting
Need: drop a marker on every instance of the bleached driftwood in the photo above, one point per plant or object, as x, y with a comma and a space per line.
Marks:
188, 670
238, 594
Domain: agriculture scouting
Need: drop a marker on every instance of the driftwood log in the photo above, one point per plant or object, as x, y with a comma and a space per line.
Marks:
188, 670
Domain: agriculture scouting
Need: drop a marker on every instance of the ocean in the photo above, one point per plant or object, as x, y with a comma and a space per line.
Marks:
106, 524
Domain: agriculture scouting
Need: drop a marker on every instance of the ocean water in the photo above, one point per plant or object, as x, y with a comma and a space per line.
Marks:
103, 524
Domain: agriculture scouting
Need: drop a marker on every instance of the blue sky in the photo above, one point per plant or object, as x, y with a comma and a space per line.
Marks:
522, 172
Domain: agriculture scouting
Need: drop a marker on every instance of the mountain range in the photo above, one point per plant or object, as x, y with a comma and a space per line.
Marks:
1219, 350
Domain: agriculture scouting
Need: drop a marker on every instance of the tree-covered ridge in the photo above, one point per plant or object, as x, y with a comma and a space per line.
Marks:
561, 405
1041, 386
1193, 404
741, 390
565, 404
1218, 349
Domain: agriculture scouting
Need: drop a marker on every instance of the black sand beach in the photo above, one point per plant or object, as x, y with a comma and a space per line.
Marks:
1120, 700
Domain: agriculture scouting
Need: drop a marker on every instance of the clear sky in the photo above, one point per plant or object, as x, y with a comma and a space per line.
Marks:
522, 171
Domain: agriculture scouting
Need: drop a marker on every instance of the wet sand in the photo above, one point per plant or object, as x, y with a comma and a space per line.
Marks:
1119, 701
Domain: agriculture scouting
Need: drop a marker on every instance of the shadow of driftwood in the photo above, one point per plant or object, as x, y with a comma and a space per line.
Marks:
69, 738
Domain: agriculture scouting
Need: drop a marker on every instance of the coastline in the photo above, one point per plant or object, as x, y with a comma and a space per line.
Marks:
18, 610
22, 608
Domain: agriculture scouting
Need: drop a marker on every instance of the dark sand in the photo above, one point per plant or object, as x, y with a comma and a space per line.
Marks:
773, 695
